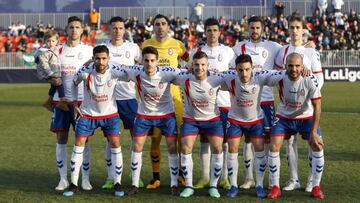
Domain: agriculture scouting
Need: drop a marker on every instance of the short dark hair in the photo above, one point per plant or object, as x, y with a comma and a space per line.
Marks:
210, 22
150, 50
243, 58
295, 17
116, 19
255, 19
200, 55
100, 49
74, 18
161, 16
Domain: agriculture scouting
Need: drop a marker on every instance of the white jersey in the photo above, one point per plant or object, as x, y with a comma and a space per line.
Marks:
311, 60
220, 58
99, 100
245, 97
200, 96
263, 55
295, 96
155, 100
126, 54
72, 59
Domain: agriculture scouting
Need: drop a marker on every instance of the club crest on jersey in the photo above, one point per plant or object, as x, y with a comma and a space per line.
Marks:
302, 92
127, 54
109, 83
211, 91
161, 85
253, 90
80, 56
170, 51
220, 57
264, 54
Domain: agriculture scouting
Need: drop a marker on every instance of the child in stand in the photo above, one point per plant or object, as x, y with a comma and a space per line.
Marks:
48, 68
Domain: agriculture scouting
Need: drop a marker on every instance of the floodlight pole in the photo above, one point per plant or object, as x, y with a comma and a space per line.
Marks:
91, 5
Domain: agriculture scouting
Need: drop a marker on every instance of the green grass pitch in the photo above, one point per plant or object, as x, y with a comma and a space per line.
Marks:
28, 171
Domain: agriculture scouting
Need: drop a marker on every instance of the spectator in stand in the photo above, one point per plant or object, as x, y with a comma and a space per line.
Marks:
322, 6
8, 45
13, 30
337, 4
94, 18
200, 27
279, 7
198, 10
148, 25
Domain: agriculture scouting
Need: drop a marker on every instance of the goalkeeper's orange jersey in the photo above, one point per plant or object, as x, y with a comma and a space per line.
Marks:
169, 50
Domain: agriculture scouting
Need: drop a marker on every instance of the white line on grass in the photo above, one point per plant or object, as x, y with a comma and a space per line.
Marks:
333, 112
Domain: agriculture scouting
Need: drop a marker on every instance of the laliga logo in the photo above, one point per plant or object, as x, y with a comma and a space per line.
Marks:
342, 74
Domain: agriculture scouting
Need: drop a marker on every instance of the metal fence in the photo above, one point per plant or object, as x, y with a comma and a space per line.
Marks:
307, 7
59, 20
333, 58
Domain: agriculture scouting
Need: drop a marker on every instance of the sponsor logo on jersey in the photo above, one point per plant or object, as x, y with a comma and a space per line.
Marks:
170, 51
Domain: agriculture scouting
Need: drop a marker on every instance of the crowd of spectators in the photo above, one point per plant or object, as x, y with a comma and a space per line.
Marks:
21, 38
331, 30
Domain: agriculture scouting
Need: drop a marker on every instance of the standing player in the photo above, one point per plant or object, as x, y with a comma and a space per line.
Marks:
220, 58
246, 117
298, 112
156, 109
97, 110
201, 114
170, 51
73, 54
263, 54
127, 53
311, 60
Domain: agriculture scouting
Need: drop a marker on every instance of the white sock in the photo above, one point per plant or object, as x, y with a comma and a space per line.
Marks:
187, 168
75, 163
248, 160
61, 160
267, 151
260, 167
136, 163
117, 164
292, 157
310, 177
233, 167
317, 166
110, 167
217, 161
174, 169
224, 170
274, 168
205, 155
85, 169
